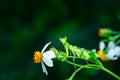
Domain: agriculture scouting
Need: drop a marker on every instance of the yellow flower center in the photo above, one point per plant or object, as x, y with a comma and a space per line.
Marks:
38, 56
102, 56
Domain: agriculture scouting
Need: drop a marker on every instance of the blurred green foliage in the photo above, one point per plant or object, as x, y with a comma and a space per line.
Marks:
27, 25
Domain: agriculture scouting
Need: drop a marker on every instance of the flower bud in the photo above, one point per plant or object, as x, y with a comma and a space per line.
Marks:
104, 32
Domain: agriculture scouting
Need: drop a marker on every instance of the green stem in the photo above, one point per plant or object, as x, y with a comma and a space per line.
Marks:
117, 42
73, 63
74, 57
115, 32
84, 66
111, 73
71, 78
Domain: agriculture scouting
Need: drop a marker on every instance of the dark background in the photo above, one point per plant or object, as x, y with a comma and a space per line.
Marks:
27, 25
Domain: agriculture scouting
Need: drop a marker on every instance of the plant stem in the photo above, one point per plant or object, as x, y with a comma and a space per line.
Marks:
71, 78
90, 66
117, 42
111, 73
73, 63
84, 66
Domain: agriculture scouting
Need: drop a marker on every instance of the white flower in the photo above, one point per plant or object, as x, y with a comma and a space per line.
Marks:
45, 57
113, 51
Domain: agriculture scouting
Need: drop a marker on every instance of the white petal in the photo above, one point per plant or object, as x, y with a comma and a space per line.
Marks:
117, 50
48, 61
49, 54
101, 45
45, 47
44, 68
112, 54
111, 44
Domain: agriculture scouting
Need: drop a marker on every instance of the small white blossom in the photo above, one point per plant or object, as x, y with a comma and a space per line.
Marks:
113, 50
47, 58
44, 57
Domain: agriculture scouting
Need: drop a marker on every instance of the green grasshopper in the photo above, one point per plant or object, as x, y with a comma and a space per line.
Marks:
78, 52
